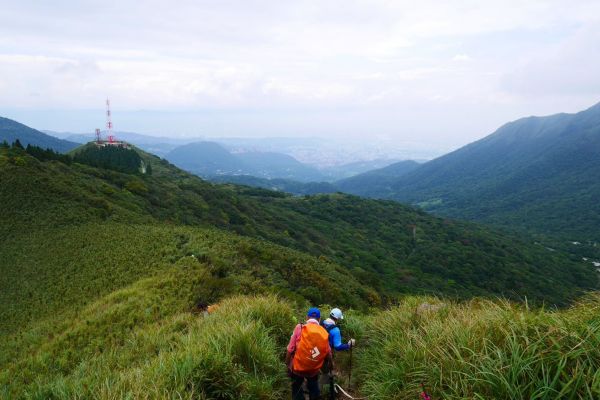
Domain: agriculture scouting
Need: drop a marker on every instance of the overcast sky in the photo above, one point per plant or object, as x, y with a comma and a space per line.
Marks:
431, 71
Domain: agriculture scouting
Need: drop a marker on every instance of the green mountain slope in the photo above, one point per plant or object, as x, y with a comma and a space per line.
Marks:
11, 130
142, 341
374, 183
100, 271
371, 239
538, 174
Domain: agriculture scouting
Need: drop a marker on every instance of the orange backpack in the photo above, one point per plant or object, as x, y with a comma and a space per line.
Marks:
311, 350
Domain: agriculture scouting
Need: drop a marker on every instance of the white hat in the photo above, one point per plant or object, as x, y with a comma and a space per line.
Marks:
337, 313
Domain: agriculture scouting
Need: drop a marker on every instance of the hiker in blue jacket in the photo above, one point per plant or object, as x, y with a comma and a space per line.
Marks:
335, 335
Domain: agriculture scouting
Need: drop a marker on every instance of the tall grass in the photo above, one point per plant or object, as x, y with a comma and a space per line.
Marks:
483, 350
141, 342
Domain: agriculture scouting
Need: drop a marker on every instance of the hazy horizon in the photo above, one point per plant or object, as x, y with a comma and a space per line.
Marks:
441, 75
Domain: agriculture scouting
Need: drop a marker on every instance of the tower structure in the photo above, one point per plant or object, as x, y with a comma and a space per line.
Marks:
98, 137
109, 124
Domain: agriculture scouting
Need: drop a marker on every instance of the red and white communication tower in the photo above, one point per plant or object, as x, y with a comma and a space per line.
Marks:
109, 124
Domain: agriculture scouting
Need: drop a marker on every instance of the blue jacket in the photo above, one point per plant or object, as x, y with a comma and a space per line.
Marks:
335, 336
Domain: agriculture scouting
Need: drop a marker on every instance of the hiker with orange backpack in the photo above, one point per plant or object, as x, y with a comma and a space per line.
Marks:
306, 353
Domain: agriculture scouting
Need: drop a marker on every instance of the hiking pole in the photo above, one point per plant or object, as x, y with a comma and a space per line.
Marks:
350, 368
331, 385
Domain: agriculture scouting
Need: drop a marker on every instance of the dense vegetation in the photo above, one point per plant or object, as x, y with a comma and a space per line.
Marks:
142, 342
53, 269
47, 154
482, 350
101, 272
372, 239
535, 174
11, 130
110, 157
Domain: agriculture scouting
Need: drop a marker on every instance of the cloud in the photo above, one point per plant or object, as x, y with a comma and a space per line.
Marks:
461, 57
568, 68
78, 67
485, 61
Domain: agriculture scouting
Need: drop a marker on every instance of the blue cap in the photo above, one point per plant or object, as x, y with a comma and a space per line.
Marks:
314, 312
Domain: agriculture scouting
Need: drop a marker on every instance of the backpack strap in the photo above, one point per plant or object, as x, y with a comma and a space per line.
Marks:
328, 328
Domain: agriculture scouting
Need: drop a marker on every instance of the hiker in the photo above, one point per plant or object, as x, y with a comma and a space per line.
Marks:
306, 353
335, 335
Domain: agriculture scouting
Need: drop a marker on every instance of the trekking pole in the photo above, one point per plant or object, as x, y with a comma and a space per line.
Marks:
331, 385
350, 368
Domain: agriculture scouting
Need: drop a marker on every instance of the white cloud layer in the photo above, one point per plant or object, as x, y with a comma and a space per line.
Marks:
427, 70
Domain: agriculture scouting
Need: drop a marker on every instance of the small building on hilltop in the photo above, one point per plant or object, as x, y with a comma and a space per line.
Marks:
111, 141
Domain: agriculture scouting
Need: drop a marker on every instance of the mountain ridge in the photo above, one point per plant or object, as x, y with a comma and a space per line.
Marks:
373, 239
11, 130
528, 175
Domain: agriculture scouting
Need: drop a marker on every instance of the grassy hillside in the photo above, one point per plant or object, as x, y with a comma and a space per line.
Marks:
11, 130
100, 272
53, 270
141, 342
481, 350
371, 239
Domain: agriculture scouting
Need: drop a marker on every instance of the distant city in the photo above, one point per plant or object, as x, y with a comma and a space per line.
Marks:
318, 152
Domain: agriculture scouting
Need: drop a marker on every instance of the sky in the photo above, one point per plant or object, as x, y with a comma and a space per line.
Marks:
433, 72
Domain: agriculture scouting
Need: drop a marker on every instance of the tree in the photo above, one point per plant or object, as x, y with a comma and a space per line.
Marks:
149, 169
17, 145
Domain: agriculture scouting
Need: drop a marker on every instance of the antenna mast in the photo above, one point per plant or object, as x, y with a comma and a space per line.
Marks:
109, 124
